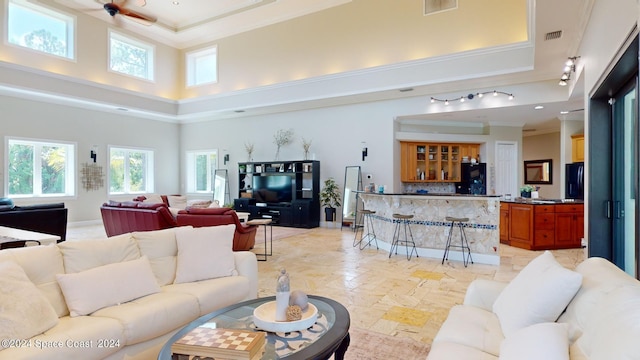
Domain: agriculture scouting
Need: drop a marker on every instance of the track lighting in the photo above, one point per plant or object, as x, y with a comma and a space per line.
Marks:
472, 96
569, 68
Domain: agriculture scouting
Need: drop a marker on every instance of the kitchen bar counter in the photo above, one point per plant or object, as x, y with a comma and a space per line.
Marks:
429, 227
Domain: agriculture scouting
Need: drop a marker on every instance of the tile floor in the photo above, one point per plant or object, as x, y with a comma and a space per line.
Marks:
389, 295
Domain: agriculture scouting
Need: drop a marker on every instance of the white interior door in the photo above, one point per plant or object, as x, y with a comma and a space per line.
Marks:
507, 168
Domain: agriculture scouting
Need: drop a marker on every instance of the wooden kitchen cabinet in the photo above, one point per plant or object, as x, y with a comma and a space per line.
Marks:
521, 225
569, 229
504, 223
542, 226
577, 148
433, 162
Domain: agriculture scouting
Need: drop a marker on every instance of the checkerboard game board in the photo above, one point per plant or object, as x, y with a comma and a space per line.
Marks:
220, 343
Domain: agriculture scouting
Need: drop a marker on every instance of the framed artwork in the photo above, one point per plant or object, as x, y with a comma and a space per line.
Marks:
436, 6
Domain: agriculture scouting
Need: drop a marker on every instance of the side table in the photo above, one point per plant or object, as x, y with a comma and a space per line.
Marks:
243, 216
265, 222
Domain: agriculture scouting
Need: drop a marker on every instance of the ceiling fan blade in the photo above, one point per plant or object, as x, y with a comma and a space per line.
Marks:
138, 17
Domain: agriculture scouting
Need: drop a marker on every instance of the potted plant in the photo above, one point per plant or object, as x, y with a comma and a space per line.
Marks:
526, 190
330, 199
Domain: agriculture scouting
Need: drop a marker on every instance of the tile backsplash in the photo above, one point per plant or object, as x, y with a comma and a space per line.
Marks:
430, 187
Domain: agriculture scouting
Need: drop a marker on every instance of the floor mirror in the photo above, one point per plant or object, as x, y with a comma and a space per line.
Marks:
221, 187
350, 199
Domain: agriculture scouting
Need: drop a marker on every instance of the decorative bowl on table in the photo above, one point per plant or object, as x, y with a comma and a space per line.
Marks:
264, 317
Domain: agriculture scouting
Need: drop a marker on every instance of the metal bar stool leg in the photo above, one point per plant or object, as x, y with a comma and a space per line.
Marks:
394, 239
448, 245
403, 221
371, 233
464, 243
465, 246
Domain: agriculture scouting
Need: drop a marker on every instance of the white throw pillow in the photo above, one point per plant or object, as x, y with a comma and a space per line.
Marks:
204, 253
548, 341
539, 293
153, 199
108, 285
177, 201
24, 311
199, 203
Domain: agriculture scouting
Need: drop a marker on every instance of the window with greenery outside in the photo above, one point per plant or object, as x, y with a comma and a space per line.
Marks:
37, 168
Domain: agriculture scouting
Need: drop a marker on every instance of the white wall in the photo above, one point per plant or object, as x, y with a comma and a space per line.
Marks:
39, 120
336, 133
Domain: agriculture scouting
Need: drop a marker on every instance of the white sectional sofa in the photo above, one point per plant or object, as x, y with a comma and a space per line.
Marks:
119, 298
599, 319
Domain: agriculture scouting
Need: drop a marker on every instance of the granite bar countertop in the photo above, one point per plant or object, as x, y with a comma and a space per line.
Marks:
428, 194
542, 201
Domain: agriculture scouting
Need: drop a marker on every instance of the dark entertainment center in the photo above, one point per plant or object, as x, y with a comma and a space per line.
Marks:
287, 192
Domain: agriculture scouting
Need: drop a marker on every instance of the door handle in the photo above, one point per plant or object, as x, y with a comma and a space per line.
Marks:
608, 208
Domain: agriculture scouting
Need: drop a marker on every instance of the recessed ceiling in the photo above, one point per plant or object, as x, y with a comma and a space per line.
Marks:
195, 22
187, 23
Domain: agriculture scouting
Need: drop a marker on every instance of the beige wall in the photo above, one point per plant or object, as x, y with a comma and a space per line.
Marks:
358, 35
546, 146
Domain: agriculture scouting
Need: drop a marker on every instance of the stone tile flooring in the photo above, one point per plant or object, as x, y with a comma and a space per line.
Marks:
392, 296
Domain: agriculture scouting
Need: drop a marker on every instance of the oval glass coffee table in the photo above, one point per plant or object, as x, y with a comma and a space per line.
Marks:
328, 336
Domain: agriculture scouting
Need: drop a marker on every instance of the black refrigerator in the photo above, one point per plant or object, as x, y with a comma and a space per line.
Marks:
574, 186
473, 179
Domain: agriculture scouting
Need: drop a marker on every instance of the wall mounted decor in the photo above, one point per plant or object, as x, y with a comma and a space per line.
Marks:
92, 176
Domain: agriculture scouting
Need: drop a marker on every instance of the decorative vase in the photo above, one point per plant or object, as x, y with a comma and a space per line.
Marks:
525, 194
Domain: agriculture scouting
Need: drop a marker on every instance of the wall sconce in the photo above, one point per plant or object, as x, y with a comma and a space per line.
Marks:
472, 96
365, 151
93, 154
569, 67
226, 158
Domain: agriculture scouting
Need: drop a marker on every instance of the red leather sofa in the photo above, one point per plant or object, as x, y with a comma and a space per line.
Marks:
128, 216
244, 237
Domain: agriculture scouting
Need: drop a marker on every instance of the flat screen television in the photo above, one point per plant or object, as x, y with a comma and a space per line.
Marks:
273, 188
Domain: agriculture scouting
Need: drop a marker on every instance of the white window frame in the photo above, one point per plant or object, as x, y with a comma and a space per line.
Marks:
70, 167
148, 175
191, 170
150, 52
192, 60
70, 20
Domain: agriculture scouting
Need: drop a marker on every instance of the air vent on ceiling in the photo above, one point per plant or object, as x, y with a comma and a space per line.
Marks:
553, 35
436, 6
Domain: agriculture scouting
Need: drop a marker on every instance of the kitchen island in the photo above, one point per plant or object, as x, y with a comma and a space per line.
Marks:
542, 224
429, 227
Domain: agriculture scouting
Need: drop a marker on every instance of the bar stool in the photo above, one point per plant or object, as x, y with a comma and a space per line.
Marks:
402, 221
464, 244
370, 235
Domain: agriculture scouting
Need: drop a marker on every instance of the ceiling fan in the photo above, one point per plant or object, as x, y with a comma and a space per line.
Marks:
119, 7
